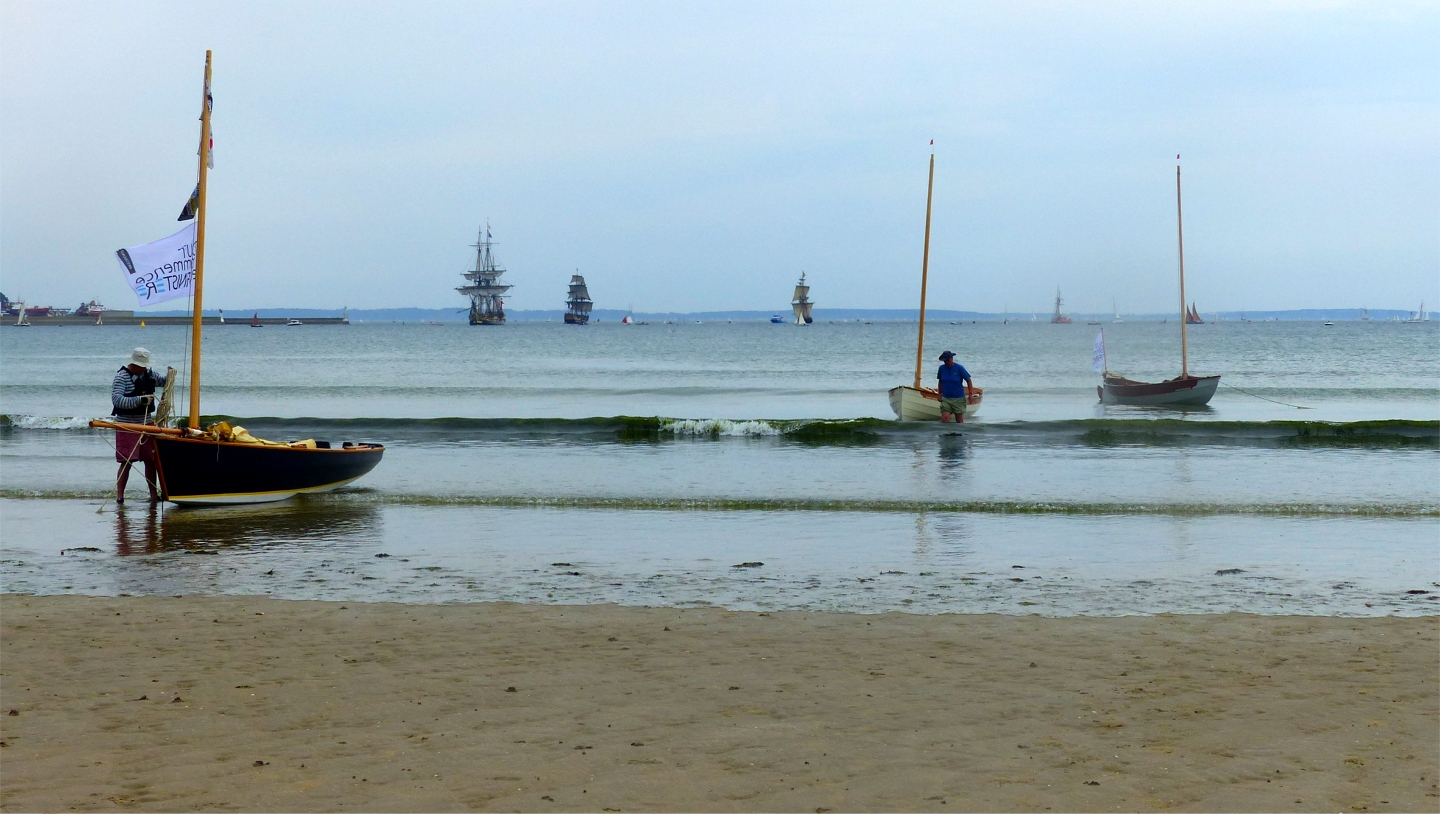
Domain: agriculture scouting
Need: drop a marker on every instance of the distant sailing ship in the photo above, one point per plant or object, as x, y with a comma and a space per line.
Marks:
487, 303
1192, 317
801, 302
1059, 318
578, 306
1419, 316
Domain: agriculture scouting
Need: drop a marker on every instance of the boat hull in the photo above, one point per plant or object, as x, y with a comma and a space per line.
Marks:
1192, 391
201, 471
577, 319
911, 404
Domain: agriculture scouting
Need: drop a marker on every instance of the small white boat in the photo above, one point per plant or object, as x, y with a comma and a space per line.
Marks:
923, 404
917, 403
293, 322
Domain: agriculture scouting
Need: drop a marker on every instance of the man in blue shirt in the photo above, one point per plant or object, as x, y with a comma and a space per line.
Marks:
955, 387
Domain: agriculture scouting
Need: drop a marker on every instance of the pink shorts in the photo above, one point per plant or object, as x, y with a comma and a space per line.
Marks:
133, 446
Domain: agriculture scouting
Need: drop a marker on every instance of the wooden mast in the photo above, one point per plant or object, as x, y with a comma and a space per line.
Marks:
1184, 315
199, 252
924, 275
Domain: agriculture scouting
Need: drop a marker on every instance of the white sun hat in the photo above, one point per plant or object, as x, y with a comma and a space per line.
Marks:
140, 357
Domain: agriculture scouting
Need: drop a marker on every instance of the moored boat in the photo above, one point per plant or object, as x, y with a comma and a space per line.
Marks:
1184, 390
1180, 391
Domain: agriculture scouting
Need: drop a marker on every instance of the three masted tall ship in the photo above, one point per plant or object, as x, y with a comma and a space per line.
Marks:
801, 303
487, 294
1059, 318
577, 308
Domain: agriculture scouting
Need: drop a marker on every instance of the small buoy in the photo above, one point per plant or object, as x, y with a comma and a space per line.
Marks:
142, 323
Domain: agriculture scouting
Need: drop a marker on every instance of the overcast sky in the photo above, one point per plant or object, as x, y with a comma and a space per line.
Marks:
695, 157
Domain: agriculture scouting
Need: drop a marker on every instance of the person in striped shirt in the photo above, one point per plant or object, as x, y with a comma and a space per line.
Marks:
133, 397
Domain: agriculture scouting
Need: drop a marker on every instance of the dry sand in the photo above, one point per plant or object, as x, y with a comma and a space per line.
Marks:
253, 704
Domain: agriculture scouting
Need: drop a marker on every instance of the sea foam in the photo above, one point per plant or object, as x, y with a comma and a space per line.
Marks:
44, 422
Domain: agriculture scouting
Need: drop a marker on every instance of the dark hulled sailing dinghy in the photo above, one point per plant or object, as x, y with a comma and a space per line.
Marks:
1183, 390
222, 464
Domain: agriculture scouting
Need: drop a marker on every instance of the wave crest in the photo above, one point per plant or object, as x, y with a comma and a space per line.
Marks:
45, 422
712, 427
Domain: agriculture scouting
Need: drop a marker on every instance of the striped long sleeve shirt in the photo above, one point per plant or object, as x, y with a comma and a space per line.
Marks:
124, 385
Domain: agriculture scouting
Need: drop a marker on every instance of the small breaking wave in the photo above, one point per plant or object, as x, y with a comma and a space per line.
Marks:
44, 422
717, 427
1095, 432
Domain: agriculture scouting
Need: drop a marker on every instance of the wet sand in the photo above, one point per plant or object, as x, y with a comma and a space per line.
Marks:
255, 704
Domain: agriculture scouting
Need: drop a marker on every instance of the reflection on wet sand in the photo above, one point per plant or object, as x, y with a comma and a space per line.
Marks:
152, 530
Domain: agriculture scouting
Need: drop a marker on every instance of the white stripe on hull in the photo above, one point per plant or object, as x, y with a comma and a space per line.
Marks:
910, 404
255, 497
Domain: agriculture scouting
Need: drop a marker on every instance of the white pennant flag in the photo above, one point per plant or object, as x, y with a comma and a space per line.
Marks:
163, 270
1100, 366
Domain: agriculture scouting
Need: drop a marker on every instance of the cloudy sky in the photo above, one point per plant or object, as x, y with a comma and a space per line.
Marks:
690, 157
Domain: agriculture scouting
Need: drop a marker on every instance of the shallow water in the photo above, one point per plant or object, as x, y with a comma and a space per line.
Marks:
929, 562
498, 485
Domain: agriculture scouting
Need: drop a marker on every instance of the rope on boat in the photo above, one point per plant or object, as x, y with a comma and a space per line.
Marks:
1262, 398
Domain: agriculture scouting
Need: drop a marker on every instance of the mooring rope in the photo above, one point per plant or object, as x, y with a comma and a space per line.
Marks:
1262, 398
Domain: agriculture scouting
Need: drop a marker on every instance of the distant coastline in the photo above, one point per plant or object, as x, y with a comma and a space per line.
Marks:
821, 315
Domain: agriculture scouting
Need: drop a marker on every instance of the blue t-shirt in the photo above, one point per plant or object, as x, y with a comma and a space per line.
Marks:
951, 377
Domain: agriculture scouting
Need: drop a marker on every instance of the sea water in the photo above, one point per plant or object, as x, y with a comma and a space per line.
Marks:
758, 466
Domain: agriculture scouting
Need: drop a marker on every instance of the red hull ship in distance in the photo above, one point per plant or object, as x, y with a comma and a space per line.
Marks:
1059, 318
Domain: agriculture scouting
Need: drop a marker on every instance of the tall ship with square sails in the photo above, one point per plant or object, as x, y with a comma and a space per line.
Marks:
577, 308
487, 294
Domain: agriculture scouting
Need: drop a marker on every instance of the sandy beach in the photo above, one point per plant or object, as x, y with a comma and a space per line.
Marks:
256, 704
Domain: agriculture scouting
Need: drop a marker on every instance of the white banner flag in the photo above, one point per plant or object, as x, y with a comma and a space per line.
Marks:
1100, 353
163, 270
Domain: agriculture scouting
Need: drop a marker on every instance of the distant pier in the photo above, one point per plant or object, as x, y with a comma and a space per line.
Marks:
133, 319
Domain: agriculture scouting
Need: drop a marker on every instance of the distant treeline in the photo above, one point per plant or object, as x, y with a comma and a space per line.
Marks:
821, 315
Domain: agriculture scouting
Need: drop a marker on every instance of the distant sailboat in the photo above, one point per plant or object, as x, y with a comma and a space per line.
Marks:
1420, 315
1183, 390
1116, 309
919, 403
486, 292
1058, 318
577, 308
1192, 317
800, 303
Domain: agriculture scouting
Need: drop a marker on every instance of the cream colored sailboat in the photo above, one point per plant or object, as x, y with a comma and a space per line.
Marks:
918, 403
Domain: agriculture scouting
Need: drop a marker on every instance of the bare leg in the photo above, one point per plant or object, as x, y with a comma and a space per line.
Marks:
150, 480
121, 478
944, 417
